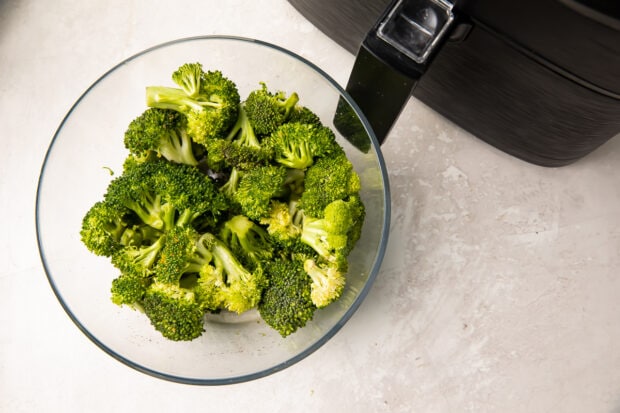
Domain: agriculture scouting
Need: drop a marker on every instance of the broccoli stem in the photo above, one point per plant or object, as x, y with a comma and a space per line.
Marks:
164, 97
178, 148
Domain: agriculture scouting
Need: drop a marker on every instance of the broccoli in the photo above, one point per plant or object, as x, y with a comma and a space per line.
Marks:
241, 289
129, 289
266, 110
103, 228
328, 282
224, 205
209, 100
329, 236
286, 304
242, 131
162, 131
223, 155
301, 114
257, 187
174, 311
139, 260
179, 247
162, 194
247, 240
296, 145
283, 222
329, 179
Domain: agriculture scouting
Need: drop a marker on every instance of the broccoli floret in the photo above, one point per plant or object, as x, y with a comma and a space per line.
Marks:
128, 289
162, 131
301, 114
210, 112
133, 190
231, 186
266, 110
191, 192
258, 187
242, 132
173, 261
188, 77
328, 282
138, 261
283, 222
247, 240
329, 179
241, 289
296, 145
329, 236
223, 155
173, 311
103, 228
287, 304
163, 194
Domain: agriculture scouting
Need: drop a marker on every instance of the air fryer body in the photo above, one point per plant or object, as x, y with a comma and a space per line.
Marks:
537, 79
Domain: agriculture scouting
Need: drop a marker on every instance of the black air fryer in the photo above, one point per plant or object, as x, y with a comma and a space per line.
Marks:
539, 79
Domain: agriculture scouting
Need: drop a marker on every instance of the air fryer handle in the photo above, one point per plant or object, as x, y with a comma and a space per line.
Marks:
393, 57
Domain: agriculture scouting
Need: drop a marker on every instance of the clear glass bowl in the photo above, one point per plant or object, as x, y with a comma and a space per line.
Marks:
89, 145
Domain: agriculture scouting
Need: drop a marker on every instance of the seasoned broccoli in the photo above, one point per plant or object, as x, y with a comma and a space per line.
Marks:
173, 311
242, 288
129, 289
258, 187
266, 110
103, 228
139, 260
283, 222
247, 240
242, 132
162, 131
209, 100
286, 304
328, 282
226, 205
329, 236
301, 114
329, 179
296, 145
223, 155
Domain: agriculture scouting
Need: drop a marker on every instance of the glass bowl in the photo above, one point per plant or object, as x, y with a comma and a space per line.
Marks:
88, 145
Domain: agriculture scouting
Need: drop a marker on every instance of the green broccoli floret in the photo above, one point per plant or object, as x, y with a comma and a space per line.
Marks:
162, 131
188, 76
223, 155
301, 114
138, 261
328, 282
209, 278
329, 179
283, 222
174, 258
329, 236
104, 228
192, 193
173, 311
129, 289
266, 110
209, 100
242, 132
247, 240
241, 288
257, 187
287, 304
296, 145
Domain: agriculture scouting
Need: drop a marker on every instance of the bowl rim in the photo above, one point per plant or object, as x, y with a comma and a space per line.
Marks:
332, 331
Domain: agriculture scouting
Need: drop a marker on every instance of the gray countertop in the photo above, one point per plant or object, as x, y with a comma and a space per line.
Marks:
499, 292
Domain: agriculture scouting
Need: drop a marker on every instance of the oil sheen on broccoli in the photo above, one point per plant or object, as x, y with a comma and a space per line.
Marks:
226, 204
